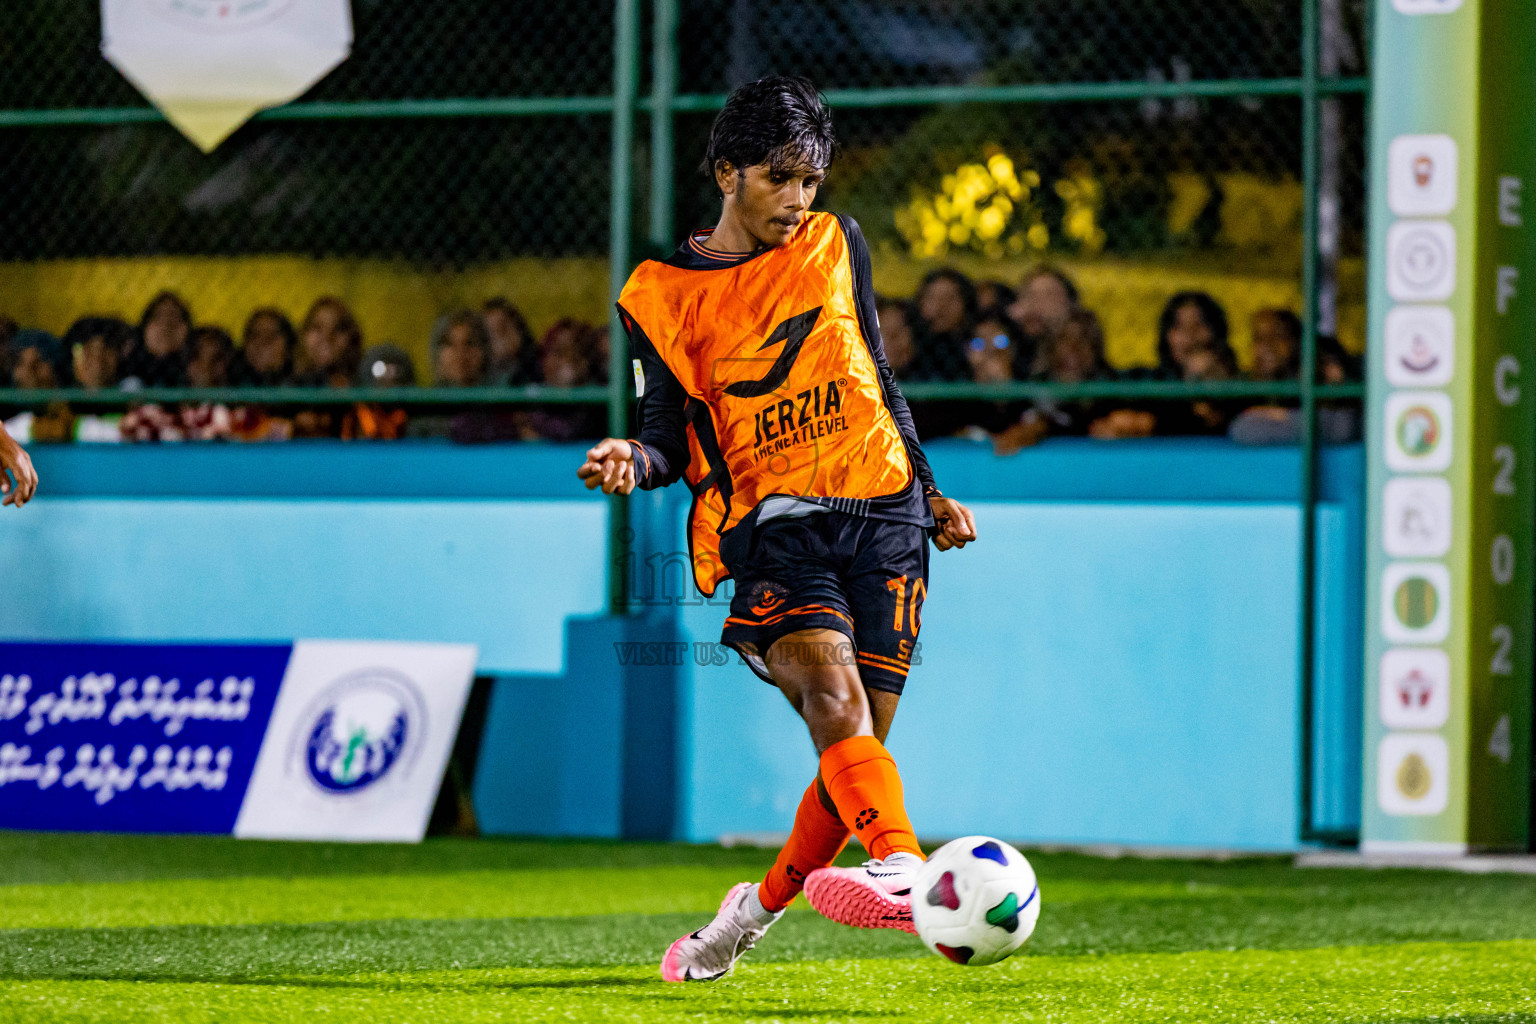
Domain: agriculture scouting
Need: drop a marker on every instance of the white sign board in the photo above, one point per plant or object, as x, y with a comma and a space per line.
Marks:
209, 65
358, 741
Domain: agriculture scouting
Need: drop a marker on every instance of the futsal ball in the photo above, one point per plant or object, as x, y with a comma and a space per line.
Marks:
975, 901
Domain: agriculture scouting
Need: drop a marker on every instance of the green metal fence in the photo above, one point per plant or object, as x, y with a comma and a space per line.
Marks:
476, 133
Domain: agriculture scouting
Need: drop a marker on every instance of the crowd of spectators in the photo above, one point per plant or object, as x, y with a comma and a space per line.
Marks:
489, 347
953, 329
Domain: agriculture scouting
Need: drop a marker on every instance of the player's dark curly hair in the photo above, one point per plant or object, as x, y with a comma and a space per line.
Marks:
782, 121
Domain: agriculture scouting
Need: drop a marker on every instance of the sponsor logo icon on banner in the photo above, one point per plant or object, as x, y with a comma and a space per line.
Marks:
358, 741
1415, 687
1421, 175
1412, 772
360, 728
1418, 433
1421, 346
1421, 261
1416, 602
1416, 517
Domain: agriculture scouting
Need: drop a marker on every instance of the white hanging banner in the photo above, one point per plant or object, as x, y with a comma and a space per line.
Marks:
210, 65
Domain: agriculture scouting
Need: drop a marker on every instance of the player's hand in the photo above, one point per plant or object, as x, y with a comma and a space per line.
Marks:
16, 463
610, 465
957, 527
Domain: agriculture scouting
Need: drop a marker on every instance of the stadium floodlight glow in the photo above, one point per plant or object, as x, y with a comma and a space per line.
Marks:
210, 65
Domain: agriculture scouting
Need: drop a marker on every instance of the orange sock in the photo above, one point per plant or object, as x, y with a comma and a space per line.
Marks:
819, 836
861, 776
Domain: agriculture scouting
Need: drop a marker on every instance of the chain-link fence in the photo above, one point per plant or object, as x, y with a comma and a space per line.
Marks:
464, 153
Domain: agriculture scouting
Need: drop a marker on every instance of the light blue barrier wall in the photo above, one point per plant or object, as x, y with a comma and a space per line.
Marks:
1091, 673
1114, 670
503, 572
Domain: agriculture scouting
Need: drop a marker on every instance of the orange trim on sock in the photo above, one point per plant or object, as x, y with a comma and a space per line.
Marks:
818, 837
861, 776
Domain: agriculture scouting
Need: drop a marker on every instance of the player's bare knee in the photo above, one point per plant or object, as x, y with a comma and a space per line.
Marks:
835, 709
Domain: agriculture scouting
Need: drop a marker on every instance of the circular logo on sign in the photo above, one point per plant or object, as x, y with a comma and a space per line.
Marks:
360, 730
1413, 777
219, 15
1418, 430
1423, 259
1416, 602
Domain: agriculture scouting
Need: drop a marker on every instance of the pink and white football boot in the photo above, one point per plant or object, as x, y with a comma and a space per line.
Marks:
876, 895
710, 953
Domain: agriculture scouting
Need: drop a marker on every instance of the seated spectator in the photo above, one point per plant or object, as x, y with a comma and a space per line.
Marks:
156, 356
209, 354
896, 334
460, 351
1334, 363
1276, 345
1338, 422
95, 345
946, 312
994, 295
330, 349
1191, 322
513, 351
1074, 354
265, 360
566, 355
990, 355
387, 366
384, 366
989, 360
330, 346
1192, 346
1276, 357
1045, 297
266, 351
1204, 416
38, 361
39, 364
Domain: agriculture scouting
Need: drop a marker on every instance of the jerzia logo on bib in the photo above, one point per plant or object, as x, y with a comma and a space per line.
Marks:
812, 414
792, 333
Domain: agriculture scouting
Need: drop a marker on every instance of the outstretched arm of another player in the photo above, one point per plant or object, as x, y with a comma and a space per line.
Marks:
18, 480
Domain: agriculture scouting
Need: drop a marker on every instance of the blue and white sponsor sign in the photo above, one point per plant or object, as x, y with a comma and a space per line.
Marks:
314, 740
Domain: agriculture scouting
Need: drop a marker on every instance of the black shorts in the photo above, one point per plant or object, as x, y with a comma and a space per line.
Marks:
865, 578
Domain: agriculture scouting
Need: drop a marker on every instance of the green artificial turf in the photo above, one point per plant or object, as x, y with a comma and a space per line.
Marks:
195, 929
